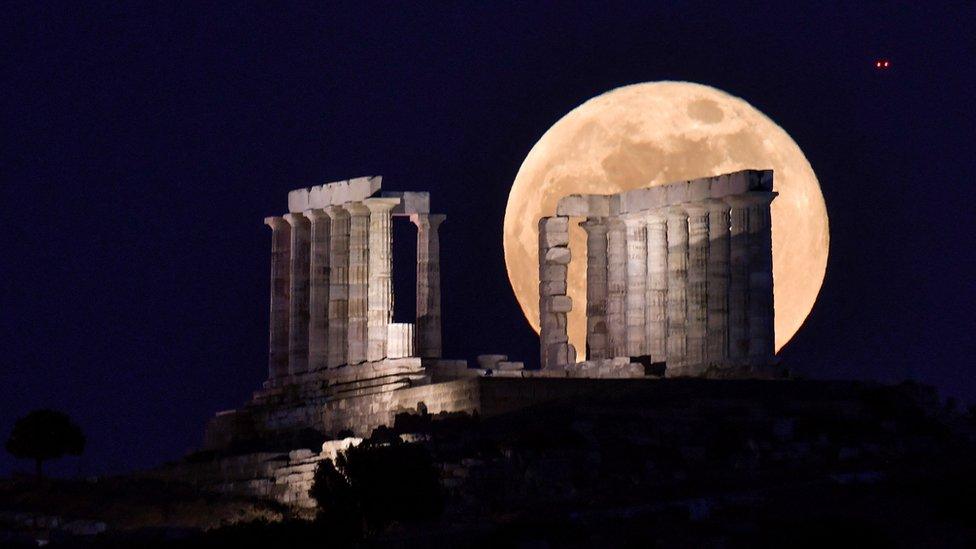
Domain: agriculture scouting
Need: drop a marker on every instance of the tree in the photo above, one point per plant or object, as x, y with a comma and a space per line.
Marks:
45, 434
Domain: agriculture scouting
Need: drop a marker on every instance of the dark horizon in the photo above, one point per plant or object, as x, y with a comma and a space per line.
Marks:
146, 145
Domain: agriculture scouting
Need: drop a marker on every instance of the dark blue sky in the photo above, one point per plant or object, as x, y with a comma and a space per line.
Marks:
144, 145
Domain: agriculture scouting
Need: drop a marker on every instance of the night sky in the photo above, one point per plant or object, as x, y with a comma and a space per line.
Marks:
143, 147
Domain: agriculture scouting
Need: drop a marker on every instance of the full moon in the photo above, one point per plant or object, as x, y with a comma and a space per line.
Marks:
656, 133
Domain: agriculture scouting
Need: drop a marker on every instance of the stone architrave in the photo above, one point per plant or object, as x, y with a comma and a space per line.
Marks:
656, 319
554, 304
428, 323
318, 297
298, 302
636, 284
380, 293
697, 285
617, 286
358, 281
738, 280
718, 282
761, 339
677, 288
280, 292
338, 285
597, 338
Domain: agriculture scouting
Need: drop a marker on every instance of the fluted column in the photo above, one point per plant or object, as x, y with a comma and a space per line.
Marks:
338, 285
697, 320
717, 343
656, 299
617, 286
677, 288
428, 329
280, 291
738, 280
380, 294
597, 338
298, 301
318, 296
761, 333
636, 284
358, 281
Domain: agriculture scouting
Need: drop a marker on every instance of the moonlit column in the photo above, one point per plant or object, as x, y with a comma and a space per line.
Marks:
358, 281
380, 294
298, 301
428, 328
656, 299
697, 289
738, 279
596, 288
761, 333
338, 285
318, 298
717, 343
617, 286
280, 268
677, 288
636, 284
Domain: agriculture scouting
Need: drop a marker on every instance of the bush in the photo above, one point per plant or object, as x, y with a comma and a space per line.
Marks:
379, 482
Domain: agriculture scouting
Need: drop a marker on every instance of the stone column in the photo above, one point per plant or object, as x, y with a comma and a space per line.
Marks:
380, 295
298, 302
761, 331
338, 285
318, 298
617, 286
358, 280
597, 338
280, 291
554, 304
636, 284
656, 319
428, 324
697, 289
717, 343
677, 289
738, 280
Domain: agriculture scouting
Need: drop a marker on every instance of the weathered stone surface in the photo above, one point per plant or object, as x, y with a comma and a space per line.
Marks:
561, 304
559, 256
400, 339
280, 286
298, 294
428, 284
380, 285
336, 193
584, 205
490, 361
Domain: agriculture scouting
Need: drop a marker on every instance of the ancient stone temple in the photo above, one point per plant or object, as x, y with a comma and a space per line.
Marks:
679, 275
331, 281
679, 283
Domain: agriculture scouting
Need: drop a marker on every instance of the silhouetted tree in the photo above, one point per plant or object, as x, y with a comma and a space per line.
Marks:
45, 434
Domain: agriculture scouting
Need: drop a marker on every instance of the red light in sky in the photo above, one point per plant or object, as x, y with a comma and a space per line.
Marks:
882, 64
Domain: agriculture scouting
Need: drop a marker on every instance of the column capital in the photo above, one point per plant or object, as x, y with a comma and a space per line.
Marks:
356, 208
432, 220
633, 219
336, 212
382, 204
695, 208
593, 222
275, 222
676, 211
295, 219
316, 214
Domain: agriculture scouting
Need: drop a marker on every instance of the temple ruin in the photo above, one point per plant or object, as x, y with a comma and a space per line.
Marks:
679, 275
679, 283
